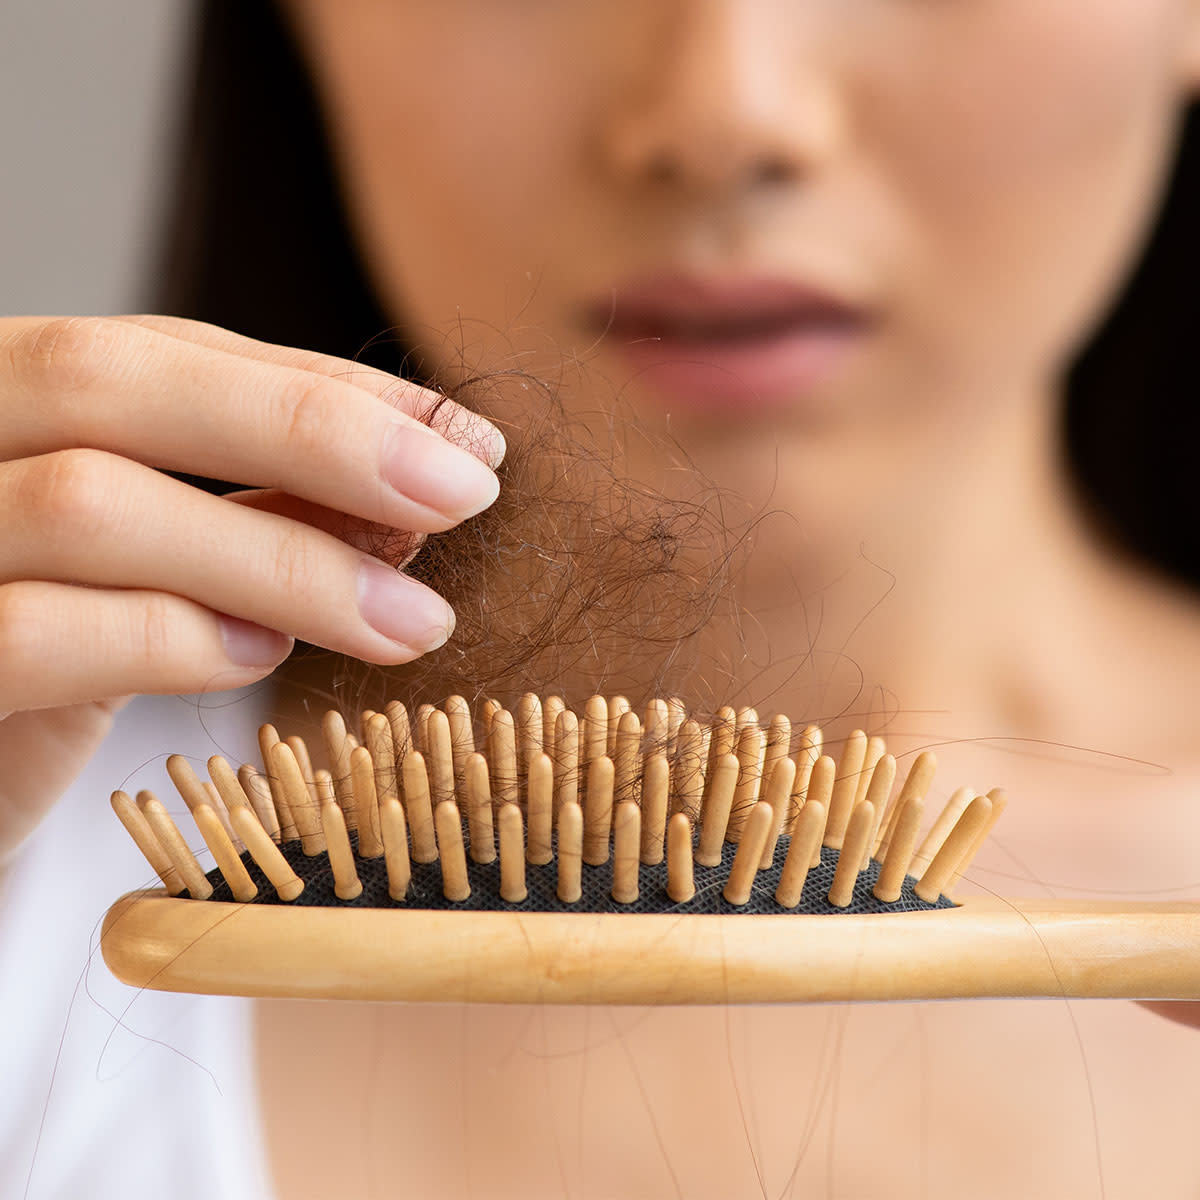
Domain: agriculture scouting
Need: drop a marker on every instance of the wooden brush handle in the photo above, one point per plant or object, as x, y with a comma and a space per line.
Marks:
985, 947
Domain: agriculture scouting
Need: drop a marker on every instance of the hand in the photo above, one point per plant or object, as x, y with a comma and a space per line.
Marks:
116, 579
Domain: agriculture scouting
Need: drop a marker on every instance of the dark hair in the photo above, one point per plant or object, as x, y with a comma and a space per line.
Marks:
258, 241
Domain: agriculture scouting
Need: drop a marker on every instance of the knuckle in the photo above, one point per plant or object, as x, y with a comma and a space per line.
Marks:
153, 640
20, 615
68, 355
296, 563
305, 415
70, 492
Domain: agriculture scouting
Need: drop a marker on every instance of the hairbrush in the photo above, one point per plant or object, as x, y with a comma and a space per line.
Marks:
544, 856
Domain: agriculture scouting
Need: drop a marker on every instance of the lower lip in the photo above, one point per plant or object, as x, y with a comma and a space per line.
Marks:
738, 376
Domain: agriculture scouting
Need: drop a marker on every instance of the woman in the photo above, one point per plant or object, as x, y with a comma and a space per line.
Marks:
845, 254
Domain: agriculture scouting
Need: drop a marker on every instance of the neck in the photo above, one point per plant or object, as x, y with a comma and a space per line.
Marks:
959, 600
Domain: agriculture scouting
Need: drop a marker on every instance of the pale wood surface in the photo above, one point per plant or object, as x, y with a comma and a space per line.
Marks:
985, 947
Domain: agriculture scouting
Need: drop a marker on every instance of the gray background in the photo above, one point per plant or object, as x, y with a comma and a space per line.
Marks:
88, 109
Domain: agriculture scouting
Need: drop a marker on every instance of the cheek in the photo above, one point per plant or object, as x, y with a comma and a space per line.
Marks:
455, 166
1023, 170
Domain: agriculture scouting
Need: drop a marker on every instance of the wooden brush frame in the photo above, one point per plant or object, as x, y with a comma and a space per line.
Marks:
609, 786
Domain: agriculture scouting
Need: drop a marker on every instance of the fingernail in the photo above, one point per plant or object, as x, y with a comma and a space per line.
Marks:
250, 645
402, 609
423, 466
472, 432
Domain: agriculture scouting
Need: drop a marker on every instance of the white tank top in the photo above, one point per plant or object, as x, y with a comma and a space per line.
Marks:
107, 1093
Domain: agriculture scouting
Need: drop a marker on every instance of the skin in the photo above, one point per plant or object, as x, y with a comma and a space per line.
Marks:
977, 174
980, 176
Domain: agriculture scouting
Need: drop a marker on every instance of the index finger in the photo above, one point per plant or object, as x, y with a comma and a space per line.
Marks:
454, 422
174, 404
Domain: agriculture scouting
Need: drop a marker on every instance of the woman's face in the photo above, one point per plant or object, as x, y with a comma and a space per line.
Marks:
866, 226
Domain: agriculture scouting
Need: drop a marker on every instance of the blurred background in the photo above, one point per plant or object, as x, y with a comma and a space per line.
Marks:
88, 108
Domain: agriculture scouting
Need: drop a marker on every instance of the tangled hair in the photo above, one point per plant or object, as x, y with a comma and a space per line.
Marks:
576, 579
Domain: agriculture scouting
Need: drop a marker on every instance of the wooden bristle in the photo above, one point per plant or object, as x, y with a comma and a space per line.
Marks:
687, 771
854, 850
502, 758
654, 727
899, 852
167, 834
287, 884
346, 883
550, 786
953, 850
395, 843
746, 716
268, 737
418, 807
228, 786
529, 730
187, 782
218, 806
807, 832
618, 706
806, 757
627, 761
681, 883
756, 831
779, 741
724, 736
656, 784
598, 811
845, 788
451, 855
627, 837
751, 750
718, 801
337, 749
217, 838
570, 853
256, 787
883, 776
439, 757
820, 791
489, 709
876, 748
300, 804
382, 749
139, 829
676, 715
916, 783
462, 736
940, 830
477, 796
299, 749
566, 759
512, 855
593, 732
366, 802
999, 803
539, 849
551, 707
778, 795
402, 738
420, 724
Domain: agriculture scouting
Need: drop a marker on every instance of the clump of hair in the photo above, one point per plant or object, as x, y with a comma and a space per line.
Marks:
578, 579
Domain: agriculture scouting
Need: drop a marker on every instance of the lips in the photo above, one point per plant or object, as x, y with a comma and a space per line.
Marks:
729, 344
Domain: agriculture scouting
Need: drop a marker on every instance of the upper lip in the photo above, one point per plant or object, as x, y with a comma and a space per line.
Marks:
689, 307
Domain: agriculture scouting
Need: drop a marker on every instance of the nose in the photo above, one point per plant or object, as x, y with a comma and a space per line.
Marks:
731, 100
